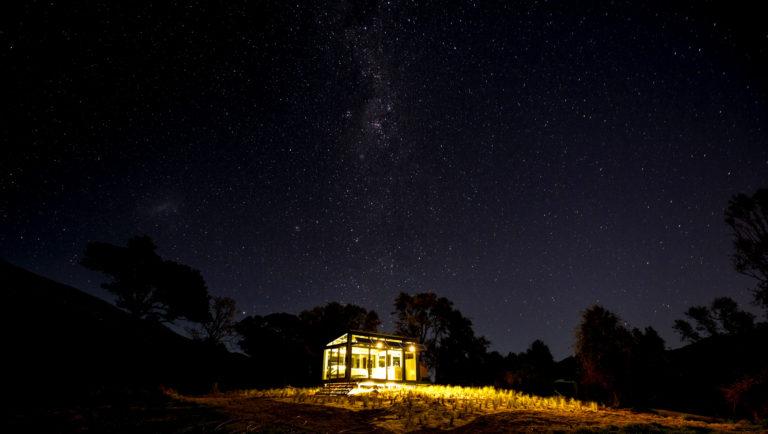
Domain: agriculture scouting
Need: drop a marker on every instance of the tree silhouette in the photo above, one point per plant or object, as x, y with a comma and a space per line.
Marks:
460, 354
749, 395
732, 319
705, 321
748, 218
454, 352
532, 371
647, 361
288, 347
220, 324
538, 353
686, 331
723, 316
329, 321
146, 285
603, 347
181, 293
616, 364
423, 316
277, 346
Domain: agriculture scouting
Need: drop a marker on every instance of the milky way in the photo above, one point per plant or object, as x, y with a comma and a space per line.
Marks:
524, 160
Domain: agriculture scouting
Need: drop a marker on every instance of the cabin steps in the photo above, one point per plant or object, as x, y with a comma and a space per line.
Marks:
336, 389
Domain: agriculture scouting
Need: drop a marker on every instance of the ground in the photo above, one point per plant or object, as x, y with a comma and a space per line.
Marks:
301, 411
439, 409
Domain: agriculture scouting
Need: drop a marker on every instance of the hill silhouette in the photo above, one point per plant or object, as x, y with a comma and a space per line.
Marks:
62, 344
697, 373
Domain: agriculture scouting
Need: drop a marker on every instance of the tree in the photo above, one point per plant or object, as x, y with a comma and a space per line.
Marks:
603, 350
538, 354
460, 354
723, 316
425, 317
622, 366
647, 363
705, 321
146, 285
749, 395
328, 321
748, 218
277, 346
732, 319
181, 293
686, 331
324, 323
532, 371
454, 352
221, 322
288, 348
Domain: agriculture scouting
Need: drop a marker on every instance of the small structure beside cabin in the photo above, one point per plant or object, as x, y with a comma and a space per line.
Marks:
367, 356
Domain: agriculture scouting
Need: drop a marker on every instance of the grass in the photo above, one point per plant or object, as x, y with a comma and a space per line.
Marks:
431, 408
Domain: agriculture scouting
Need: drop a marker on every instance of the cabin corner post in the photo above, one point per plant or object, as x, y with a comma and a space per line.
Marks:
403, 355
348, 359
417, 362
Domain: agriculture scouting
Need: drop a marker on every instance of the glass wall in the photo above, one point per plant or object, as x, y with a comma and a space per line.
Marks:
387, 364
360, 363
371, 357
334, 363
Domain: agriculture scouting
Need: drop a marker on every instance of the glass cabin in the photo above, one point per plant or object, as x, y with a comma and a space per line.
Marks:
360, 356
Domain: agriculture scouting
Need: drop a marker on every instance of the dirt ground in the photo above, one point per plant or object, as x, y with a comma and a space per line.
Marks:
235, 413
248, 414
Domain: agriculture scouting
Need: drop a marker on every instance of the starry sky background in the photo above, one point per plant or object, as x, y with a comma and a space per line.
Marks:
524, 160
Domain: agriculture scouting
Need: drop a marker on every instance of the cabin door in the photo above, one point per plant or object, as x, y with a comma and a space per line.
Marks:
410, 366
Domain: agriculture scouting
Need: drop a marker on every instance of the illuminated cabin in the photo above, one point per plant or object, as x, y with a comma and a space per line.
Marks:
368, 356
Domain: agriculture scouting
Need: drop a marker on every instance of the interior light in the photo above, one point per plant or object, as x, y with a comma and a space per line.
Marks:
379, 344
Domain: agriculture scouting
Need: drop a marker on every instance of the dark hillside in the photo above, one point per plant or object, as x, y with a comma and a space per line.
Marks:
61, 343
698, 372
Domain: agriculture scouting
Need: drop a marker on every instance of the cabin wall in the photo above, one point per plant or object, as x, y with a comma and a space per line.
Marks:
356, 357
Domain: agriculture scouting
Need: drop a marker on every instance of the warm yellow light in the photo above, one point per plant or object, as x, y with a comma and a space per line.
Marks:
411, 348
379, 345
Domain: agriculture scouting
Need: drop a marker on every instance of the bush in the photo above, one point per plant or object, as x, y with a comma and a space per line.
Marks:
749, 396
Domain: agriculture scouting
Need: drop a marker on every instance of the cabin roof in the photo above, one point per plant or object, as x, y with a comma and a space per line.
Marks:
366, 337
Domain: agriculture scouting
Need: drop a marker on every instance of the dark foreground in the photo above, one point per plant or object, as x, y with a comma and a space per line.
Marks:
236, 413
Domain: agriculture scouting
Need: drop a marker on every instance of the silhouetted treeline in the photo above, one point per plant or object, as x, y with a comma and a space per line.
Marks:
532, 371
725, 374
723, 316
617, 365
287, 349
722, 373
454, 353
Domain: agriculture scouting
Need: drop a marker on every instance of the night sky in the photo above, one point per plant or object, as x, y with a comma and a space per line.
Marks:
523, 160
